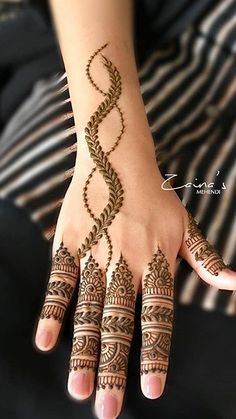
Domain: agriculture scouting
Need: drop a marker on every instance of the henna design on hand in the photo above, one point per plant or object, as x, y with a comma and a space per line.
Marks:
202, 250
100, 158
84, 353
85, 191
60, 288
88, 316
117, 328
61, 285
157, 315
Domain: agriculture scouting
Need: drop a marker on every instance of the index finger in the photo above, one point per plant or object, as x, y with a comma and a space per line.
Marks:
61, 285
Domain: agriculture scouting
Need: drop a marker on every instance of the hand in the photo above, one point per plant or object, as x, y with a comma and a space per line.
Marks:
151, 229
120, 233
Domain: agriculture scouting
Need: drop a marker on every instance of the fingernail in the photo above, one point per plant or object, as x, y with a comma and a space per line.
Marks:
43, 339
153, 386
108, 407
80, 383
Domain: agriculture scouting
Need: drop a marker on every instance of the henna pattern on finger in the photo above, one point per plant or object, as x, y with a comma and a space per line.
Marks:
100, 158
157, 315
87, 318
64, 273
84, 353
117, 328
202, 250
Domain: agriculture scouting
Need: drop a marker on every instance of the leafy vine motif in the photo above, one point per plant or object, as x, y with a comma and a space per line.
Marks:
100, 158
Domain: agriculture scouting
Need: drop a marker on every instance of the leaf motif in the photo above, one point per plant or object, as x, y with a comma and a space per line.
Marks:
99, 157
60, 288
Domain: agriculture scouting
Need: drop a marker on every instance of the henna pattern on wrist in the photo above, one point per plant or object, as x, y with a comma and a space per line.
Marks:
122, 129
117, 328
202, 250
87, 318
100, 158
61, 285
157, 315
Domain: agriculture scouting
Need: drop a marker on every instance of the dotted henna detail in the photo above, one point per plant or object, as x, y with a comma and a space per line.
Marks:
84, 352
157, 315
64, 273
64, 262
100, 158
87, 318
202, 250
117, 328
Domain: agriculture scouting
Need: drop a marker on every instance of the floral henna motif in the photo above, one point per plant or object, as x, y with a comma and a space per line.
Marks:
61, 285
202, 250
85, 352
88, 316
157, 315
117, 328
100, 158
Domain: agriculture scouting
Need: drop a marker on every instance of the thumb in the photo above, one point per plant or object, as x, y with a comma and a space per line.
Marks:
204, 259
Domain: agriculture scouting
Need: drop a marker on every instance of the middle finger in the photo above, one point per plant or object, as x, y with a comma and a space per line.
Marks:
116, 335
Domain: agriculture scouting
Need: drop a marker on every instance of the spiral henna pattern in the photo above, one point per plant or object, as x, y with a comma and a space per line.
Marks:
202, 250
61, 285
117, 328
100, 158
157, 315
87, 318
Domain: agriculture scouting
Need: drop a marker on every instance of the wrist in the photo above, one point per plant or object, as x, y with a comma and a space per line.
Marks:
136, 137
112, 111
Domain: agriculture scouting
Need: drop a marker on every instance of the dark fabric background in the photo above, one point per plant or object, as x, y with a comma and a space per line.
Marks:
159, 21
28, 49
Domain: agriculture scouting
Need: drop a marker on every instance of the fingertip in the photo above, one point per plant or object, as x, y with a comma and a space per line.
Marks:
44, 339
107, 405
46, 335
229, 271
226, 279
152, 385
79, 385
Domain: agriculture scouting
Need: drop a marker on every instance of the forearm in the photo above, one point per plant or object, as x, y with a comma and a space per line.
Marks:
83, 27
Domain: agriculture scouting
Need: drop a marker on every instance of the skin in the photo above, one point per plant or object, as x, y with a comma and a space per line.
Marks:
149, 222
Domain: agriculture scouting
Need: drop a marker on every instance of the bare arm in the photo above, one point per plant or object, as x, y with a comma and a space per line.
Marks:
83, 27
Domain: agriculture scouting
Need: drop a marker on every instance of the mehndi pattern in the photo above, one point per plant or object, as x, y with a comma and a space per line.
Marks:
202, 250
100, 158
157, 315
117, 328
64, 272
87, 318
